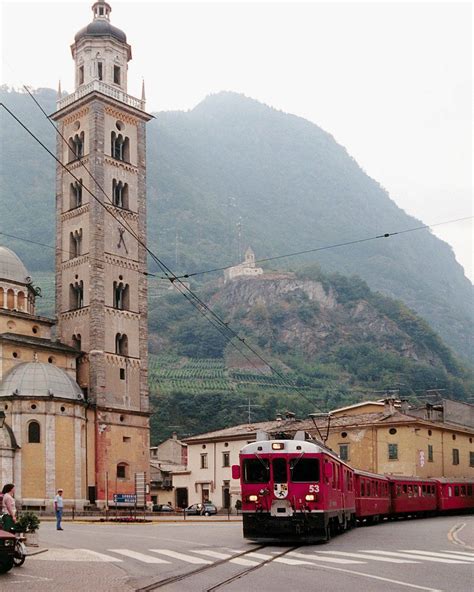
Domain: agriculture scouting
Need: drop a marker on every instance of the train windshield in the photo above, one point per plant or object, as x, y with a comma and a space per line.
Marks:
304, 470
256, 470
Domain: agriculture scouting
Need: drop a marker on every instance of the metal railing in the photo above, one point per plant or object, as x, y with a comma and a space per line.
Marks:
105, 89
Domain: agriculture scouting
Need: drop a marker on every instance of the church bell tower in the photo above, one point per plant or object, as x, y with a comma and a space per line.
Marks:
101, 286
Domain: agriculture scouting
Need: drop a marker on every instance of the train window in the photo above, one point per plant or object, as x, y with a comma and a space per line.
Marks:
368, 488
463, 490
469, 490
304, 470
456, 490
405, 488
423, 489
256, 470
362, 488
279, 470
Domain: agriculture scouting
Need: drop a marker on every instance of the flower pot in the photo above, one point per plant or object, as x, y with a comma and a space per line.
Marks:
32, 539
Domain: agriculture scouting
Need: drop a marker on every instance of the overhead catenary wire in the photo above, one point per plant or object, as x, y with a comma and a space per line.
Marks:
330, 246
201, 306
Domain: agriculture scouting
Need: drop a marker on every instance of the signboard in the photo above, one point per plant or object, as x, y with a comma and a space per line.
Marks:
422, 458
125, 498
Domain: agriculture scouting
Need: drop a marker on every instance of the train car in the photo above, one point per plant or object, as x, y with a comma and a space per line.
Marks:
412, 496
372, 497
455, 495
294, 490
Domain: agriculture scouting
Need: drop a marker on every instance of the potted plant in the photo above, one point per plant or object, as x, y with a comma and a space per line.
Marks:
28, 523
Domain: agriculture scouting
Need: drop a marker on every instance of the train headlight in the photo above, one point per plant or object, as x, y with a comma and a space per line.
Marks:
8, 542
309, 497
278, 446
253, 498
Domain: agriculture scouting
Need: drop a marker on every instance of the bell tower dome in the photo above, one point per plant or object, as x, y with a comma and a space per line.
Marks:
101, 51
101, 286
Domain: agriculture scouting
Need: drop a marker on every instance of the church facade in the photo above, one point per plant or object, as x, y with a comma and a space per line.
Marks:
76, 407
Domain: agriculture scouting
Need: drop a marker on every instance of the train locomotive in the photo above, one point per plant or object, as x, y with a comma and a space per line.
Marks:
300, 490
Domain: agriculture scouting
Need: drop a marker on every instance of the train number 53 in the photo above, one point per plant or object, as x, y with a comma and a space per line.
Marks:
314, 489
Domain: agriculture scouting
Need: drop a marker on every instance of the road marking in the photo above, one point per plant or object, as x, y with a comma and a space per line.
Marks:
309, 557
74, 555
459, 553
138, 556
262, 556
447, 555
182, 556
217, 555
373, 577
411, 556
363, 555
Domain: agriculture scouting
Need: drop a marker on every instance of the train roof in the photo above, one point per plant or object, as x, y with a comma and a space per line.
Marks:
291, 447
454, 480
371, 475
407, 478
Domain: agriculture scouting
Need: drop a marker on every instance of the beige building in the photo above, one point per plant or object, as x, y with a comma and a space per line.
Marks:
169, 456
247, 268
436, 441
77, 411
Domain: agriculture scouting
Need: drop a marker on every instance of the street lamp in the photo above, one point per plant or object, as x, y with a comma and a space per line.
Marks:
2, 419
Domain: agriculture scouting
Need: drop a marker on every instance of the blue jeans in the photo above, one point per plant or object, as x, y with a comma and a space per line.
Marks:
59, 516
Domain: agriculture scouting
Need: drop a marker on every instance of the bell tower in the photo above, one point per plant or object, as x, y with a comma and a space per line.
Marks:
101, 286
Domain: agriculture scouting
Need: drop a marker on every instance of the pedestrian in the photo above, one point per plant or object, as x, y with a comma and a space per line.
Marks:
8, 507
58, 508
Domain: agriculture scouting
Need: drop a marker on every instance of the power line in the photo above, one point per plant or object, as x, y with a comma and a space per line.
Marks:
223, 327
331, 246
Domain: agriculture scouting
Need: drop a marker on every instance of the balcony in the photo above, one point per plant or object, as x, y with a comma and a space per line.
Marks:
105, 89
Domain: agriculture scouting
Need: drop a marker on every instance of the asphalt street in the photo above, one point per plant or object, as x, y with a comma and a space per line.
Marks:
435, 554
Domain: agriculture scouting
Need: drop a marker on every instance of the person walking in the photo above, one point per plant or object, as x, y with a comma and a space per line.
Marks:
8, 507
58, 508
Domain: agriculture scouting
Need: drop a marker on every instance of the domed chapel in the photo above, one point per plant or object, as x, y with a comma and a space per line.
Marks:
74, 410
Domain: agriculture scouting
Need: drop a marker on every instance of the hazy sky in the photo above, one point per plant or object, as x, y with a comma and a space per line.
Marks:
392, 82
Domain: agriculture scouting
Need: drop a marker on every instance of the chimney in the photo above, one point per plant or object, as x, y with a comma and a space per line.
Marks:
404, 406
290, 415
389, 406
174, 435
278, 417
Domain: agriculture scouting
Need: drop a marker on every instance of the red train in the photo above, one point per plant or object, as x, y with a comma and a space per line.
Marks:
300, 490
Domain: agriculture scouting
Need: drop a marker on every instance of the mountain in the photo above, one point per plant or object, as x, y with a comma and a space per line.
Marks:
330, 337
233, 172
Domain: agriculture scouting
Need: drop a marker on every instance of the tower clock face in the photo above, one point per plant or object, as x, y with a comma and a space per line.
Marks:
121, 243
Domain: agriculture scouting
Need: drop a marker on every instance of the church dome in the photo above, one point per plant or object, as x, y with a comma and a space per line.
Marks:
100, 28
11, 267
35, 379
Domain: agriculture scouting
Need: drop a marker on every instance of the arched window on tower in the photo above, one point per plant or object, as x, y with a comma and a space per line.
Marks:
75, 194
34, 432
77, 341
120, 147
120, 194
76, 295
121, 296
121, 344
75, 243
76, 147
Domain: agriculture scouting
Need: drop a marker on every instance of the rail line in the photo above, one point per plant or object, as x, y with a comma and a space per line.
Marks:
173, 579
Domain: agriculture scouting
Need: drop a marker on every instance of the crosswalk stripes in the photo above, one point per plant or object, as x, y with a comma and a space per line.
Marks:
138, 556
413, 556
210, 556
362, 555
218, 555
459, 553
446, 555
314, 557
182, 556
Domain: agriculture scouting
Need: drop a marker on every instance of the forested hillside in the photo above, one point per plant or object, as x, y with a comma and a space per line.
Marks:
233, 172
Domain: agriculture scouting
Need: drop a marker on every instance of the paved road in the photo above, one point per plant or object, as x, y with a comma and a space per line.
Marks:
407, 555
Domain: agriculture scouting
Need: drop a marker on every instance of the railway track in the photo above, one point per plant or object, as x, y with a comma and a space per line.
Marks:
208, 568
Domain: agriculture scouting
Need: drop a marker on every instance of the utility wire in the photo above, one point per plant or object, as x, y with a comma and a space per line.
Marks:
201, 306
331, 246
